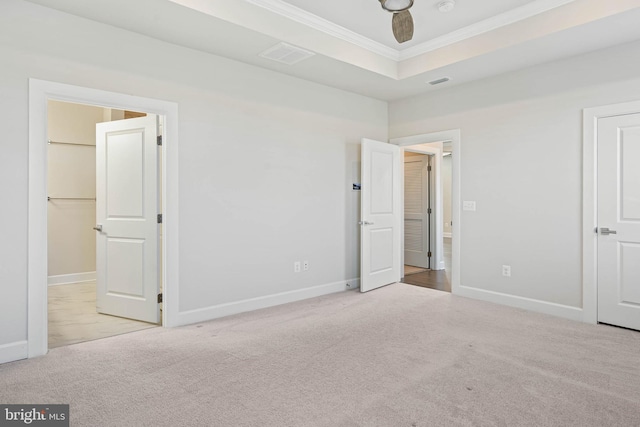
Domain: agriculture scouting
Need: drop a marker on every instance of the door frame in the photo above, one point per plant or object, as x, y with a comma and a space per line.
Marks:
453, 135
590, 201
41, 91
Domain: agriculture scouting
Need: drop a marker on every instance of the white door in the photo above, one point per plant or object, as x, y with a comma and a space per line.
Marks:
619, 212
126, 216
416, 216
380, 215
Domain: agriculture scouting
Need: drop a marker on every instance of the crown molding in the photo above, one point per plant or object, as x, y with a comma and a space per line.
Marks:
309, 19
294, 13
515, 15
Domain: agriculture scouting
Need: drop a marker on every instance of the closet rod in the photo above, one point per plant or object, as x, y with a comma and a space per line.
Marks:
71, 198
70, 143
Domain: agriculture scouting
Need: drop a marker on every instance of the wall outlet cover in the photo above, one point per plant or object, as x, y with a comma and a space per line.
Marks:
506, 270
468, 205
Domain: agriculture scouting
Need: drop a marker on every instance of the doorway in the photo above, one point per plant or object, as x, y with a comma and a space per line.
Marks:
40, 93
444, 234
420, 203
75, 312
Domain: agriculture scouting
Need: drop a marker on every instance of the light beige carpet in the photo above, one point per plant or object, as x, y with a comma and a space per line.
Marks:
397, 356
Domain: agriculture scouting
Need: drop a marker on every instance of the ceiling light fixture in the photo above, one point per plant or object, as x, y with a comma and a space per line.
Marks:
446, 6
396, 5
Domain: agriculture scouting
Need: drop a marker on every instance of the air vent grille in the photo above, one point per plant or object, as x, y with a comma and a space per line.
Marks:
437, 82
286, 54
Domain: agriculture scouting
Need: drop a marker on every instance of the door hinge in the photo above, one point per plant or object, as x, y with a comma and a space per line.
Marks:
429, 210
428, 254
159, 139
429, 168
159, 218
159, 298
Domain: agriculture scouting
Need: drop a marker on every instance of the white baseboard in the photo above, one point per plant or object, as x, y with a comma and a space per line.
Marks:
65, 279
222, 310
447, 234
14, 351
553, 309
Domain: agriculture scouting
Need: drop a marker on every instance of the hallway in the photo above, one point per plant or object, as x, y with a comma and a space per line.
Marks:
433, 279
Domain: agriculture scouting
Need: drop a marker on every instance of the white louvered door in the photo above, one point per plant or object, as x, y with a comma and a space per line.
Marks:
416, 217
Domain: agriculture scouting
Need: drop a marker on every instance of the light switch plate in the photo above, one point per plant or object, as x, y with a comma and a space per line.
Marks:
468, 205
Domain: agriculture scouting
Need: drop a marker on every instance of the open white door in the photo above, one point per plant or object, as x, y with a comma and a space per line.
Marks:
127, 221
381, 215
619, 220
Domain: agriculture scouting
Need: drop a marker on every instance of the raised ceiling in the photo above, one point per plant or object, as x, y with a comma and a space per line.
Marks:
368, 19
479, 38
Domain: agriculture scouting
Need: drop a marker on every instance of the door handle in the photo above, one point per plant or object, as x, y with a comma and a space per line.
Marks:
98, 228
365, 223
605, 231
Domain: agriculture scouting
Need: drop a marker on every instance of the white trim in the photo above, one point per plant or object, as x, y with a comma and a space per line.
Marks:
590, 202
40, 92
498, 21
13, 351
65, 279
553, 309
222, 310
313, 21
455, 137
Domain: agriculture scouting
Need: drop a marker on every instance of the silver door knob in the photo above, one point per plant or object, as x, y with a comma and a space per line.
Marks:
98, 228
365, 223
605, 231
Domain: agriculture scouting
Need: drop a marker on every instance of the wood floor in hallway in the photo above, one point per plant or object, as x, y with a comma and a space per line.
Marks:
433, 279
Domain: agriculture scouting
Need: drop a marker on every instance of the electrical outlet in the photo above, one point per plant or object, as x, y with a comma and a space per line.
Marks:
296, 267
468, 205
305, 265
506, 270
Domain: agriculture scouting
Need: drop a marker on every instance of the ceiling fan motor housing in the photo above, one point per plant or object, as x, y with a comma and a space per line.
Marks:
396, 5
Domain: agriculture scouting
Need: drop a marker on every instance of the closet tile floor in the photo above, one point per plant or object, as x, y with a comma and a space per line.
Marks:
73, 317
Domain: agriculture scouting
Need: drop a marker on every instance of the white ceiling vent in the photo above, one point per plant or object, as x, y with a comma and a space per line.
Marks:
286, 54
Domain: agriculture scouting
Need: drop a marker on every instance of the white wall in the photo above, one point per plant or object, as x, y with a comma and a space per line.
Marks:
522, 163
266, 160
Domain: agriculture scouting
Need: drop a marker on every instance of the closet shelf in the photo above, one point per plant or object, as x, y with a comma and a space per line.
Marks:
70, 143
71, 198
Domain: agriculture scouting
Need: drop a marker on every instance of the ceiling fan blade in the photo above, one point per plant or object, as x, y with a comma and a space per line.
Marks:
402, 24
